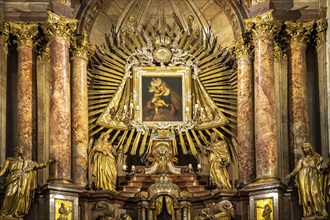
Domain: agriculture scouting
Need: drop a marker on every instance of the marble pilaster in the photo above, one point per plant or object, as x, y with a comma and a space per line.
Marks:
4, 35
59, 30
264, 27
43, 67
299, 33
25, 92
321, 27
282, 117
79, 60
245, 130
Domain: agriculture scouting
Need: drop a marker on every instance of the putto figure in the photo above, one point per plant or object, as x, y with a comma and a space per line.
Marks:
310, 182
104, 164
21, 181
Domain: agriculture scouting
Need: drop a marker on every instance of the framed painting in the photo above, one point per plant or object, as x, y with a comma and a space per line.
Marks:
162, 96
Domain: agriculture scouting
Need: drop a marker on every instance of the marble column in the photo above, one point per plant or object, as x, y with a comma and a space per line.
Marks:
321, 27
299, 33
245, 130
25, 86
264, 28
59, 30
79, 61
4, 34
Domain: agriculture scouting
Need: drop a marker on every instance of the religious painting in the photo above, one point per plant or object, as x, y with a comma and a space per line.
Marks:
162, 94
162, 98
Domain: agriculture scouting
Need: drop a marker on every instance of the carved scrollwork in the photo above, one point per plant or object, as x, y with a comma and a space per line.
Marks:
102, 210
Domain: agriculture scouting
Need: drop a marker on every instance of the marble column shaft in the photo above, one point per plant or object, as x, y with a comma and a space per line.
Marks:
4, 34
25, 85
299, 33
60, 112
245, 130
263, 28
80, 112
60, 102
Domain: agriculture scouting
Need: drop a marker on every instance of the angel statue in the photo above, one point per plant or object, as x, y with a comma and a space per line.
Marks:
219, 159
104, 164
310, 182
21, 181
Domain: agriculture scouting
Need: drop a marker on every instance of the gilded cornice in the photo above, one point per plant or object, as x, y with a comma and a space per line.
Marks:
24, 33
59, 26
264, 25
321, 27
300, 32
81, 47
243, 46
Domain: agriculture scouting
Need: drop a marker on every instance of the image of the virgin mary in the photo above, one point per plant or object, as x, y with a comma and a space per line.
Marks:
164, 104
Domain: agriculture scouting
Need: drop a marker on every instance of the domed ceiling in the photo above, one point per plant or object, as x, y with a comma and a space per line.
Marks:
221, 18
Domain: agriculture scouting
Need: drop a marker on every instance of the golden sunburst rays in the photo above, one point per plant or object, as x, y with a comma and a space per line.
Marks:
107, 72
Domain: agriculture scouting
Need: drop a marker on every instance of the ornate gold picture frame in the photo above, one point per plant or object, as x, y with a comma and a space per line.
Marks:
162, 96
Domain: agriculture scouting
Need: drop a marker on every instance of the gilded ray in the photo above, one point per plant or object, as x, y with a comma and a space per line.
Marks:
217, 74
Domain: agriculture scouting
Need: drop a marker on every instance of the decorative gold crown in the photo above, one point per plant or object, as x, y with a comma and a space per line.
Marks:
162, 41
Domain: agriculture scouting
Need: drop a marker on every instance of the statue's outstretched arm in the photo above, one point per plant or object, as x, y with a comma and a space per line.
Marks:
296, 170
43, 165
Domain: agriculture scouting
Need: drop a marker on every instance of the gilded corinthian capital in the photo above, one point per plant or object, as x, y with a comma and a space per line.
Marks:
4, 28
243, 45
4, 33
264, 25
299, 31
81, 47
25, 33
59, 26
321, 27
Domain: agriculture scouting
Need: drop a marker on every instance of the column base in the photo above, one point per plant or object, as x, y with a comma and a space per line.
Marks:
60, 181
58, 199
262, 181
273, 200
